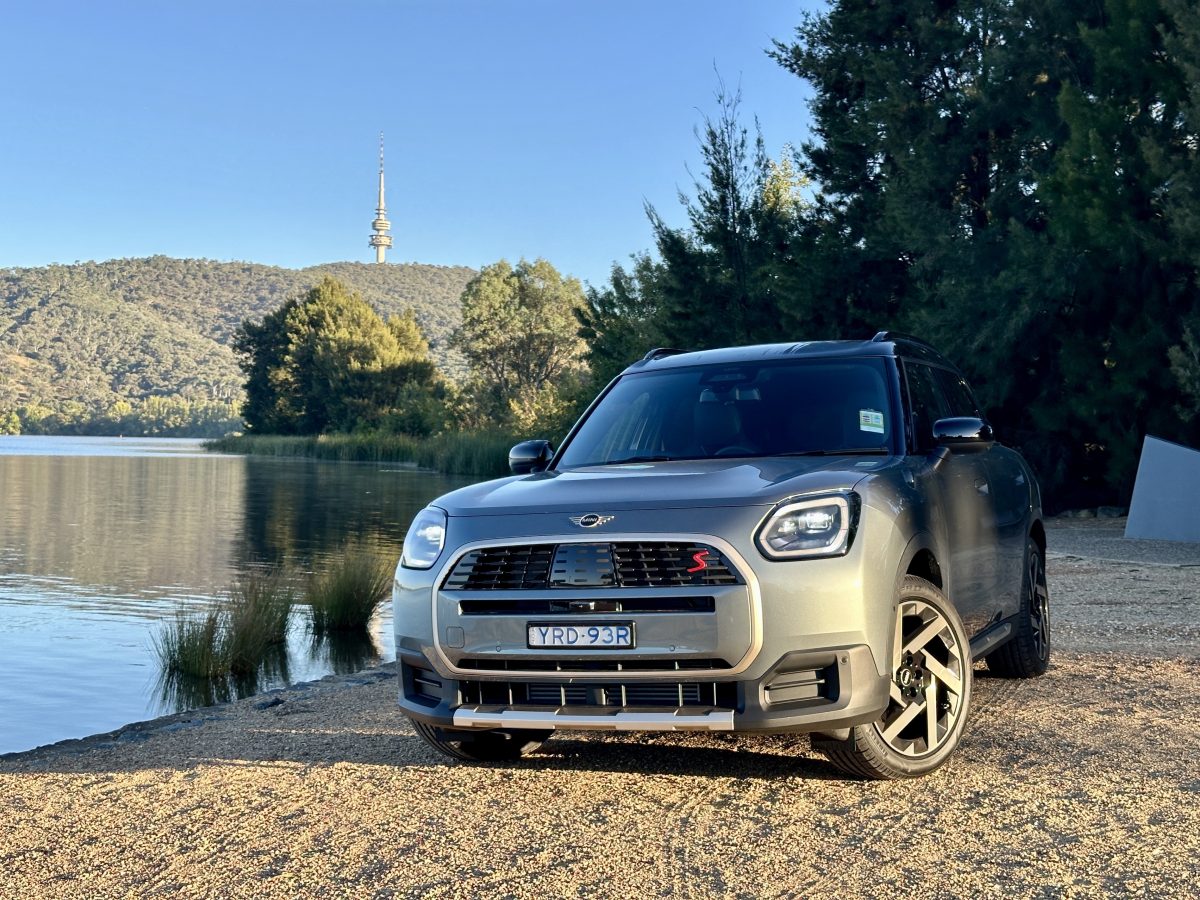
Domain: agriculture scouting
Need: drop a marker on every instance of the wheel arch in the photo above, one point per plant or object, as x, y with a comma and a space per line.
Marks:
920, 558
1037, 531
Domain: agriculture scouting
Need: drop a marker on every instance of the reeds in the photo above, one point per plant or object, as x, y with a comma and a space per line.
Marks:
193, 646
257, 611
234, 638
345, 596
232, 648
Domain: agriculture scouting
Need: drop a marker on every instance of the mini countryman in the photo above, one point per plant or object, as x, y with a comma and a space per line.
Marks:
810, 537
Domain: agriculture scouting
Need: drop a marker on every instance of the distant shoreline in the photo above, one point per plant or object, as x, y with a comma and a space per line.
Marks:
482, 454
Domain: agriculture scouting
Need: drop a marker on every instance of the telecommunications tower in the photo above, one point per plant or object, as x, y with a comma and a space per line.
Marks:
380, 240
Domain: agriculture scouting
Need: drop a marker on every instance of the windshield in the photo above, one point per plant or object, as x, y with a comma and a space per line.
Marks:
758, 409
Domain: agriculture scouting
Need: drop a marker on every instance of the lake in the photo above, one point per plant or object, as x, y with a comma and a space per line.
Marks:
103, 540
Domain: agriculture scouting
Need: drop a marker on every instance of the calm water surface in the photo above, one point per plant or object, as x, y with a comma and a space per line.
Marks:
103, 539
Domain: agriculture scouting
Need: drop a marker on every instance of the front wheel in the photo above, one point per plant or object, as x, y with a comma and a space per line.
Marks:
930, 693
481, 746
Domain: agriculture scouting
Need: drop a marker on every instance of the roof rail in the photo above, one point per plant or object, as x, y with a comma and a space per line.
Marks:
660, 352
901, 336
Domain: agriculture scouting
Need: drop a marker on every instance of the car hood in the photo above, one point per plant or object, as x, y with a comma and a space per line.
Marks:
682, 484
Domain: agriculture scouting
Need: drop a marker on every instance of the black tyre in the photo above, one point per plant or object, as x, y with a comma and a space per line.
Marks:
482, 746
1027, 655
930, 693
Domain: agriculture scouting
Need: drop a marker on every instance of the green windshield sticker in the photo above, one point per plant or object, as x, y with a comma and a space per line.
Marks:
870, 420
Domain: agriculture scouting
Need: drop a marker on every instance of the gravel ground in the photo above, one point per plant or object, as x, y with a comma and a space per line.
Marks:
1081, 783
1105, 539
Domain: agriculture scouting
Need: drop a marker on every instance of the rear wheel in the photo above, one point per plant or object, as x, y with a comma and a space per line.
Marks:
930, 693
1027, 655
482, 746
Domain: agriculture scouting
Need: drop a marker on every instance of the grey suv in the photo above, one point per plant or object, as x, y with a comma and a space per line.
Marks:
815, 537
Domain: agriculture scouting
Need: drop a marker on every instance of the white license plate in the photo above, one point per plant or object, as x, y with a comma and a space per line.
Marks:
605, 634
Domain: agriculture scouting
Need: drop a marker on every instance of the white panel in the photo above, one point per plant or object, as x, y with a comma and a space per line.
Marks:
1166, 495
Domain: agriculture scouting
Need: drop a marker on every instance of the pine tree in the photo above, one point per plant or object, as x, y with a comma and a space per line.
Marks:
992, 174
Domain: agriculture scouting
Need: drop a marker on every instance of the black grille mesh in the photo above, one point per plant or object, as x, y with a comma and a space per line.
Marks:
624, 564
666, 565
503, 569
670, 695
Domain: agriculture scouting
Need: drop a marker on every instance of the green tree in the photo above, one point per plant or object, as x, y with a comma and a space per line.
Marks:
519, 335
997, 175
736, 273
1185, 366
271, 405
328, 362
621, 320
1109, 199
723, 276
410, 341
9, 422
1182, 171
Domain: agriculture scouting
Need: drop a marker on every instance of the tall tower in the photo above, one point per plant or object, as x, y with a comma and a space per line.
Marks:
380, 240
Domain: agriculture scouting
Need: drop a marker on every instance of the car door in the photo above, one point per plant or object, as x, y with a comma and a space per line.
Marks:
1008, 492
958, 494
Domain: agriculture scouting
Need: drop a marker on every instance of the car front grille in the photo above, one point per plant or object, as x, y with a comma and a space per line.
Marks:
642, 564
662, 695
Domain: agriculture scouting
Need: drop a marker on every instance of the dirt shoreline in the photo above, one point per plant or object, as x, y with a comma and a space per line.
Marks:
1082, 783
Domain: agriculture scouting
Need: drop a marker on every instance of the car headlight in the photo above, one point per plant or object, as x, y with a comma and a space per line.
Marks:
817, 526
425, 539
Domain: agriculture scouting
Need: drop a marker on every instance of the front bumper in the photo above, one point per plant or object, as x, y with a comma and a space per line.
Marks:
803, 691
799, 646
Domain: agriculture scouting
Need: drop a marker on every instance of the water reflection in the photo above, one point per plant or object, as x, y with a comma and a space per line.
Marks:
100, 545
298, 513
343, 653
178, 692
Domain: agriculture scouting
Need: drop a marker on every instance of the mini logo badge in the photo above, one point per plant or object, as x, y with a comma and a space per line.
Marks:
591, 520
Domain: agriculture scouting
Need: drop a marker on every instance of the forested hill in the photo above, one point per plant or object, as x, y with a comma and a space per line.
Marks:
97, 333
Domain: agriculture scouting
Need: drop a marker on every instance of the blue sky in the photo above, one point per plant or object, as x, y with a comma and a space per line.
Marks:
247, 130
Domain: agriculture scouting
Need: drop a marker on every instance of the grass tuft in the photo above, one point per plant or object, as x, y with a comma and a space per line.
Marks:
235, 638
193, 646
257, 610
346, 595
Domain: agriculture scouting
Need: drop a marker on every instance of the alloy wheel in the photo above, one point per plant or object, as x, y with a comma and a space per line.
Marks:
928, 670
1039, 606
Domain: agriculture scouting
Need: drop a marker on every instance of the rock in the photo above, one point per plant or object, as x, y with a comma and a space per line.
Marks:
267, 704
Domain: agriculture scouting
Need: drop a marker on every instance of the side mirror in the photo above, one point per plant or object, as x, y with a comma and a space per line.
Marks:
530, 456
963, 433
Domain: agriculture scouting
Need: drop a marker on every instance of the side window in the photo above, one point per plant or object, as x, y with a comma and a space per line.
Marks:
927, 404
957, 393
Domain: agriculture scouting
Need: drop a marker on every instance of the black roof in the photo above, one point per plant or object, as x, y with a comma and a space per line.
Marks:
885, 343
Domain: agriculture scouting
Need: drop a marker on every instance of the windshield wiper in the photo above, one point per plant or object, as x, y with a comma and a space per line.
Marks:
848, 451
